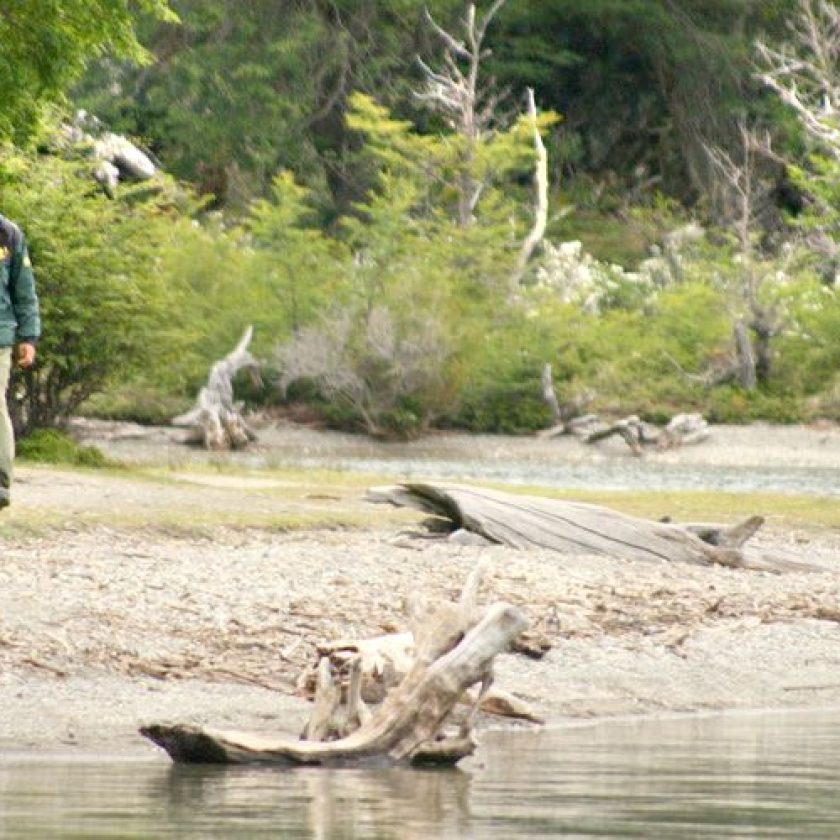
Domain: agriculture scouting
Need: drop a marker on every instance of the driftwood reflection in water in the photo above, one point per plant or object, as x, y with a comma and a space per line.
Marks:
391, 802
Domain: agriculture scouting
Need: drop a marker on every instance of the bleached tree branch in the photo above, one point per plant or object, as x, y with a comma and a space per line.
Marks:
537, 231
455, 93
805, 74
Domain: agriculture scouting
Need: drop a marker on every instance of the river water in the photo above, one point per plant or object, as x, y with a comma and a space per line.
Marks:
774, 459
772, 775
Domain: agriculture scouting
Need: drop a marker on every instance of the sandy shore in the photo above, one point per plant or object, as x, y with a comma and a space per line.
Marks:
105, 627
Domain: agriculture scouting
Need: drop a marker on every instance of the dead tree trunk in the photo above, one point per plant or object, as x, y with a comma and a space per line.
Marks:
550, 397
216, 421
576, 528
745, 357
537, 231
454, 650
454, 92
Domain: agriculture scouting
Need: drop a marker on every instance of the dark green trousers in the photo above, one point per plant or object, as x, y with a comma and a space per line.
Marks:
7, 437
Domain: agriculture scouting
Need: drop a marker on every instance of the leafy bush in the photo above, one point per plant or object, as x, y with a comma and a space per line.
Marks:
136, 403
107, 310
49, 446
503, 407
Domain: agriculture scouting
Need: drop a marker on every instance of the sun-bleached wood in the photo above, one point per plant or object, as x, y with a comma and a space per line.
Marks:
577, 528
216, 421
406, 728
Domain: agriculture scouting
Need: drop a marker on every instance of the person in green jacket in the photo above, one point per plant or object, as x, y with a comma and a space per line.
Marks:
20, 328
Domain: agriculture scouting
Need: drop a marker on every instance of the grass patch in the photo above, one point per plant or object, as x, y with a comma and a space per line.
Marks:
49, 446
192, 500
705, 506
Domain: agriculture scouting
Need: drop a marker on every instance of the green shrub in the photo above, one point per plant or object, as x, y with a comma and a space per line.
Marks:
135, 404
49, 446
506, 407
734, 405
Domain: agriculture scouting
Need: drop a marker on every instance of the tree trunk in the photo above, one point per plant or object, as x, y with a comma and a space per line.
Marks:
745, 357
537, 231
576, 528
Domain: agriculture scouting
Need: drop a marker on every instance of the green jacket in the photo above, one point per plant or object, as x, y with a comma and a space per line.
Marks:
19, 316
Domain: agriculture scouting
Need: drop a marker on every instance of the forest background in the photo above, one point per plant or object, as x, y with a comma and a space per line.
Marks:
322, 185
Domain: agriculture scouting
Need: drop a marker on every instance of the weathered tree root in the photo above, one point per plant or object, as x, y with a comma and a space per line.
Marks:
216, 421
406, 729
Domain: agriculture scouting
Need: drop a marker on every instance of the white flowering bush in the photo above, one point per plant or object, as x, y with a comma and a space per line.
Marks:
578, 278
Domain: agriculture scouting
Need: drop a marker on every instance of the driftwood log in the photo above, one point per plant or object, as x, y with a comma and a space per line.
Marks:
578, 528
216, 421
369, 668
455, 646
681, 430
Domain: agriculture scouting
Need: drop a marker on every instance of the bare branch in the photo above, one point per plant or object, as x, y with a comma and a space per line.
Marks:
487, 19
804, 74
541, 210
455, 93
452, 45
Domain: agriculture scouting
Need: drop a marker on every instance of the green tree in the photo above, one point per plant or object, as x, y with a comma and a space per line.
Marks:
297, 266
641, 84
48, 43
107, 310
239, 91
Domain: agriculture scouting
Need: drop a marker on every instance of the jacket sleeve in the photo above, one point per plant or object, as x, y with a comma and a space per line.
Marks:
23, 295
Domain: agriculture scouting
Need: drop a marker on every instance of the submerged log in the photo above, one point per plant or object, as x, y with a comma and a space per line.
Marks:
454, 650
579, 528
216, 421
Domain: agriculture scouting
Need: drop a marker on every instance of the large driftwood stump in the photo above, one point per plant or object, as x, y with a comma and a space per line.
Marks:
216, 421
578, 528
454, 650
367, 668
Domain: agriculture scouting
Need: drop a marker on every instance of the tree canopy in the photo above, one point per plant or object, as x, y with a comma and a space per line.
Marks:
48, 43
240, 90
358, 180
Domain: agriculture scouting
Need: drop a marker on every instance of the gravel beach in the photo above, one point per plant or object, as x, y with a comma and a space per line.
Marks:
104, 627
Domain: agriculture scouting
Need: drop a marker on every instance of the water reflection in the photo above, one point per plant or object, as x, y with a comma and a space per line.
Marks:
63, 799
773, 775
333, 803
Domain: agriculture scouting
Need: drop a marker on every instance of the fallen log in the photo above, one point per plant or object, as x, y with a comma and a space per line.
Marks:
577, 528
631, 429
216, 421
454, 650
682, 429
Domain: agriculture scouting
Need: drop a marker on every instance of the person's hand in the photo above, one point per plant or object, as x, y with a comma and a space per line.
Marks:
25, 354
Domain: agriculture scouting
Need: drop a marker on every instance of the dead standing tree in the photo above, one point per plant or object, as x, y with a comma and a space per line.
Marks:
754, 330
471, 109
455, 94
805, 73
216, 421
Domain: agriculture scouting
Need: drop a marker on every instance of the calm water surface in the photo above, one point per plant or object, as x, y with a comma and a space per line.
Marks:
758, 775
623, 474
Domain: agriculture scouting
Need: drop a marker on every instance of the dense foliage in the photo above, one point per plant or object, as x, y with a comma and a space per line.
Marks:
240, 90
48, 43
321, 201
